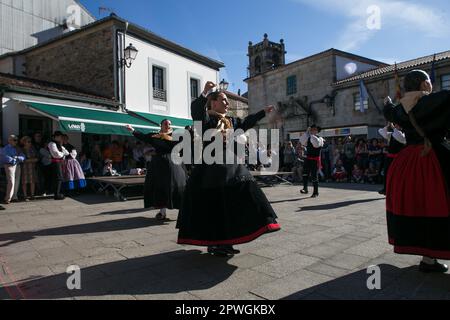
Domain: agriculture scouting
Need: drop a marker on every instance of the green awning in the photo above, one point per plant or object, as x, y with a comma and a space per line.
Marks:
83, 120
177, 123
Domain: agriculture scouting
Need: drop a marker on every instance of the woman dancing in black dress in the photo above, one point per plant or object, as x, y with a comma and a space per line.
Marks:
222, 204
165, 181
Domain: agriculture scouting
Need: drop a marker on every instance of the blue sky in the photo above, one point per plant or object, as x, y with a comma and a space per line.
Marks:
222, 29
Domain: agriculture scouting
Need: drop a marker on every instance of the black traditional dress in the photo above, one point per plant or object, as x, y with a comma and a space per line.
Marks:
418, 201
165, 181
222, 204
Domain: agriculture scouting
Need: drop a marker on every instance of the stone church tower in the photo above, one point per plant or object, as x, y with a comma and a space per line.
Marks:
265, 56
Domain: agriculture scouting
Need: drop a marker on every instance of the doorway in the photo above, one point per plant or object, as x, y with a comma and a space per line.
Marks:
28, 125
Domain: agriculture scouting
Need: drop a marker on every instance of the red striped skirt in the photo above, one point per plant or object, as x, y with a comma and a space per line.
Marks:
418, 205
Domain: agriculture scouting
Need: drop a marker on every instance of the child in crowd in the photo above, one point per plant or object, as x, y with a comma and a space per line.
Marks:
108, 170
372, 173
357, 174
339, 173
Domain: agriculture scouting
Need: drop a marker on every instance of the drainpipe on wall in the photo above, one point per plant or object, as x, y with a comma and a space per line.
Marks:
120, 47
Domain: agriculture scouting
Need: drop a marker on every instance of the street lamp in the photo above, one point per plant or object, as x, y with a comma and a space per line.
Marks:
130, 54
223, 86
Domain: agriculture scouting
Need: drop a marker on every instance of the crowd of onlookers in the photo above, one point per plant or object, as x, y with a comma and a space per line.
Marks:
115, 158
342, 160
26, 164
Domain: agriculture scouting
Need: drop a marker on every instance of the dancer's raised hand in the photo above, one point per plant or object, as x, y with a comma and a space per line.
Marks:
208, 87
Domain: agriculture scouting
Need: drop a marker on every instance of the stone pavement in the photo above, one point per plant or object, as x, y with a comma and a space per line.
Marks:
322, 252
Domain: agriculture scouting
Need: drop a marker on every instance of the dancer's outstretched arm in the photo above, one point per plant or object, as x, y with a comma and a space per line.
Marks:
250, 121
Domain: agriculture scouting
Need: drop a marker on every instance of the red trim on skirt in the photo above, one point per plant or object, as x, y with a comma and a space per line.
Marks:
245, 239
435, 254
391, 155
415, 185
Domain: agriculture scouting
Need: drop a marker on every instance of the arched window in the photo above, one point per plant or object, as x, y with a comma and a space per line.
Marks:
258, 64
276, 60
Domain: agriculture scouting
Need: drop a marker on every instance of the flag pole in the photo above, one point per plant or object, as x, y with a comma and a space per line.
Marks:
398, 89
370, 95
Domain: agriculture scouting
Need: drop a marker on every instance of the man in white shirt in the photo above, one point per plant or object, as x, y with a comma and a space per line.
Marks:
58, 154
312, 165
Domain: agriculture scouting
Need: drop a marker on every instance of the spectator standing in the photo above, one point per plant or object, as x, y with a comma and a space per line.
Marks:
289, 156
97, 160
46, 165
349, 156
12, 158
29, 168
362, 154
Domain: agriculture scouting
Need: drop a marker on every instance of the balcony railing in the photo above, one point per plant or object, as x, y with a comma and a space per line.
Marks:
159, 94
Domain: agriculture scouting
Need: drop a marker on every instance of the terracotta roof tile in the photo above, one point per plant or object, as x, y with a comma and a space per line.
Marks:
410, 64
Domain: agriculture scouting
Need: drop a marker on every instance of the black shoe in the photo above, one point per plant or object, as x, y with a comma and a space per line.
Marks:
383, 192
60, 197
315, 195
161, 216
1, 208
218, 251
303, 191
435, 268
231, 250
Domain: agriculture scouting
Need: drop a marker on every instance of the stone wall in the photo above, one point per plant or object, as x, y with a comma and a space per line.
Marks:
314, 80
237, 108
85, 62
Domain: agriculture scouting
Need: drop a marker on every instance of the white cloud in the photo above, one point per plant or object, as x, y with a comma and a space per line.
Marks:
395, 15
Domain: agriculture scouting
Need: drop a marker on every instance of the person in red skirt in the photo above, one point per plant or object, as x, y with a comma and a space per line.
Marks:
417, 187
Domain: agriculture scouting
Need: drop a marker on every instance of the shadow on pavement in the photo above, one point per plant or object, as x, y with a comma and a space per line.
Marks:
165, 273
125, 211
352, 186
336, 205
92, 199
96, 227
289, 200
396, 283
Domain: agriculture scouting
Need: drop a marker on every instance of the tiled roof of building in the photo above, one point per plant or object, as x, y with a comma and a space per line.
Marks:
234, 96
407, 65
22, 84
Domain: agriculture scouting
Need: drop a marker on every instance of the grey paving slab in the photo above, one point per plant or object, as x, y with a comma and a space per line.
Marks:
322, 252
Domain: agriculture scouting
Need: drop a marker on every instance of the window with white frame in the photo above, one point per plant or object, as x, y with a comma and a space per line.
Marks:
357, 102
159, 83
445, 82
195, 88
